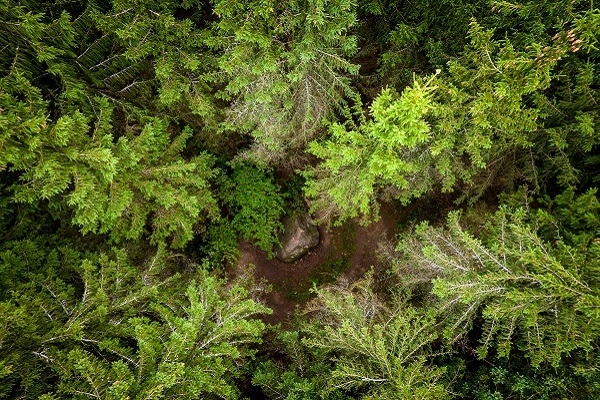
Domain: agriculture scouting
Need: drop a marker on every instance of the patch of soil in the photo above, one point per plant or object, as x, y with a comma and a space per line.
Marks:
344, 252
369, 237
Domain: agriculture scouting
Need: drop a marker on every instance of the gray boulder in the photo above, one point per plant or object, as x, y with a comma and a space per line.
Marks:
299, 235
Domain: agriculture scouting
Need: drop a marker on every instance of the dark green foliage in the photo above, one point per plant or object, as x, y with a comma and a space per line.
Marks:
221, 243
182, 64
59, 48
132, 128
534, 299
413, 36
572, 218
291, 370
256, 204
516, 379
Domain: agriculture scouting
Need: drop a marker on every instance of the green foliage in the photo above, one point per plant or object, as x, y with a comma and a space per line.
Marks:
292, 370
501, 380
173, 35
532, 294
572, 218
256, 204
415, 36
221, 243
287, 66
355, 345
62, 142
111, 185
34, 46
99, 101
59, 48
497, 104
503, 110
378, 350
390, 150
96, 325
157, 183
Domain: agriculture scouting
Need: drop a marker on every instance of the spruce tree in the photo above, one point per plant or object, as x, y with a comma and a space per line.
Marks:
287, 67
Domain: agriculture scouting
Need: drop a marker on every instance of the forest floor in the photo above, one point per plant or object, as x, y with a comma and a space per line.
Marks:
344, 252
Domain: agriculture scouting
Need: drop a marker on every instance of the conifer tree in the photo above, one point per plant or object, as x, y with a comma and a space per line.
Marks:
172, 36
500, 112
61, 141
536, 295
107, 112
111, 187
380, 349
287, 68
389, 150
94, 325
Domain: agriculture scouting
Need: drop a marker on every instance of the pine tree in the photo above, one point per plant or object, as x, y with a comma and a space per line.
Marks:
391, 150
501, 112
172, 37
66, 151
111, 187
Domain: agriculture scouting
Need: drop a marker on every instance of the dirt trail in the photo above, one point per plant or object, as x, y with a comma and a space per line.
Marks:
349, 250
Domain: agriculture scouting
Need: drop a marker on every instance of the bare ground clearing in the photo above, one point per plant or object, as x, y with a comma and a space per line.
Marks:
344, 252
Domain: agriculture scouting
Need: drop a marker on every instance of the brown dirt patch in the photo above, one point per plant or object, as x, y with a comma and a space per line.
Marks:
344, 252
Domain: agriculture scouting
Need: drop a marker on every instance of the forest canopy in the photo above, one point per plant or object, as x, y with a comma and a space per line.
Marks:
146, 145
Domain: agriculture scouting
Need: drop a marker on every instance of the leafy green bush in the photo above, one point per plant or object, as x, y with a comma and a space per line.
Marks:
254, 200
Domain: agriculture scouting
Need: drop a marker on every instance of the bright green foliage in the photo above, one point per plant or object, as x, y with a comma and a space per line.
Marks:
527, 287
538, 297
501, 111
111, 187
379, 351
478, 116
355, 346
487, 101
154, 182
256, 204
287, 66
524, 103
106, 329
389, 150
